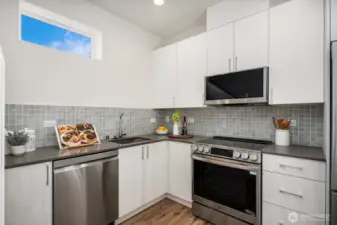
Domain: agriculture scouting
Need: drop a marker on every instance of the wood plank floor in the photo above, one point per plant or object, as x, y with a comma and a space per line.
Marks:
166, 212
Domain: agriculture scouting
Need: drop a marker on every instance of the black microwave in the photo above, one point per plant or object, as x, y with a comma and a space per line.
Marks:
241, 87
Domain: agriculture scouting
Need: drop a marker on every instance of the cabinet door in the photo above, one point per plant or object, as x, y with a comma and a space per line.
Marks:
156, 171
191, 71
130, 179
297, 52
251, 42
164, 72
220, 49
180, 170
28, 195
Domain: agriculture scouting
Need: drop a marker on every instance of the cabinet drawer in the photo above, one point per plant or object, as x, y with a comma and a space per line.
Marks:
275, 215
295, 193
304, 168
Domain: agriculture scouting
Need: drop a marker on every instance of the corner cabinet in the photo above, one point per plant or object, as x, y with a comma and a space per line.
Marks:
142, 176
28, 195
178, 73
297, 52
164, 76
180, 171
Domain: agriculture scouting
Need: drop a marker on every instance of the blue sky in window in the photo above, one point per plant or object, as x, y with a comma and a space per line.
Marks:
48, 35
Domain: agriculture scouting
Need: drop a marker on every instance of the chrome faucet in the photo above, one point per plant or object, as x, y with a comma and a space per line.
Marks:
120, 129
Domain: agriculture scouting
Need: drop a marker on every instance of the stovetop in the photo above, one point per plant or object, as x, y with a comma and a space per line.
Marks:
250, 144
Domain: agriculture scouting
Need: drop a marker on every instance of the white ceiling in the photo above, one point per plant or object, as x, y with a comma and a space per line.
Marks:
173, 18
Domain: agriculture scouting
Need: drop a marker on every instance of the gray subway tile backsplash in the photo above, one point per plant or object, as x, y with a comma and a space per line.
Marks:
106, 120
238, 121
255, 122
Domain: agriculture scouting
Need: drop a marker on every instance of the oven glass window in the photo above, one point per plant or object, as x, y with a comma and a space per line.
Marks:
227, 186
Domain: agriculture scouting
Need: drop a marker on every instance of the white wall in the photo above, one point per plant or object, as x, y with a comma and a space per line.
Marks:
39, 75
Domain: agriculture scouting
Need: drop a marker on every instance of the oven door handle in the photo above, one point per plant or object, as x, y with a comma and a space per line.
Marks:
226, 163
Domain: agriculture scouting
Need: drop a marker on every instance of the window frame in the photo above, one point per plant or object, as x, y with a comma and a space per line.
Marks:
36, 12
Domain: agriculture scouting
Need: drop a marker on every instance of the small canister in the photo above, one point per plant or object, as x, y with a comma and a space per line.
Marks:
282, 137
31, 141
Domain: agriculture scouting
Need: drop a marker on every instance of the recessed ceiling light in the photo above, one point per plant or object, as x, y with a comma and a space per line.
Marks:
158, 2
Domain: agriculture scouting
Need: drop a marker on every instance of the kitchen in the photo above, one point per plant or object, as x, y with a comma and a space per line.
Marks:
225, 67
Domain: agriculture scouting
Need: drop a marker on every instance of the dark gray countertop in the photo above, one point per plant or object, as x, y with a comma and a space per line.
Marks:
303, 152
47, 154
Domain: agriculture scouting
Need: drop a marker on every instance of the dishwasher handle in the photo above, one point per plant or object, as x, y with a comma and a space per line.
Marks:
83, 165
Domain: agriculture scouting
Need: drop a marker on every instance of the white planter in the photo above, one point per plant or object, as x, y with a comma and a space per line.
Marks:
18, 150
176, 129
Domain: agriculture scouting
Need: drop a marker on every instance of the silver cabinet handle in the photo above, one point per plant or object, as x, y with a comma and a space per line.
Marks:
290, 193
142, 152
147, 152
291, 167
47, 182
236, 63
229, 64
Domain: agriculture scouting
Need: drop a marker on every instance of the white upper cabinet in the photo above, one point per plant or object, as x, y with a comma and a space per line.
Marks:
191, 71
28, 195
164, 76
297, 52
251, 41
231, 10
220, 50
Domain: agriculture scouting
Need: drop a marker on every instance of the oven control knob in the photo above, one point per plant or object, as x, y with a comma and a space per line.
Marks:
253, 157
245, 155
237, 155
207, 149
194, 147
200, 148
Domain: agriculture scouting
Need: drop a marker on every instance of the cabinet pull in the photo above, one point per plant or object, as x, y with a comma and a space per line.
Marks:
47, 168
280, 222
291, 167
290, 193
142, 152
147, 152
229, 64
236, 63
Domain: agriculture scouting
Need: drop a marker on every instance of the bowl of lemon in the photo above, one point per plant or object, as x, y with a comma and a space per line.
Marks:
162, 130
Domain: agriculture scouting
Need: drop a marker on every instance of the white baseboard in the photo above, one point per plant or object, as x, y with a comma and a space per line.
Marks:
144, 207
179, 200
140, 209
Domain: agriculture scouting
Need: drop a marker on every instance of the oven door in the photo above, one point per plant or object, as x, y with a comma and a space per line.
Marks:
228, 186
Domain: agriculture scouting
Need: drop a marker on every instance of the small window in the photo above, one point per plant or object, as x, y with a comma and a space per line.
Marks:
42, 27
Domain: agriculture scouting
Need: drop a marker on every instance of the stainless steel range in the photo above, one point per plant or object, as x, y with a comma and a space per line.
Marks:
227, 180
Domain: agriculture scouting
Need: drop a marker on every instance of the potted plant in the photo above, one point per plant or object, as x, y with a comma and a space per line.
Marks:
17, 141
176, 120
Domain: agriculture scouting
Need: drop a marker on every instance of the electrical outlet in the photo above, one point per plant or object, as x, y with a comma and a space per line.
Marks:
49, 123
293, 123
190, 120
167, 119
153, 120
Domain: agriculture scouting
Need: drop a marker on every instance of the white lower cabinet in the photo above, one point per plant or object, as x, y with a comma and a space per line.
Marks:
28, 195
130, 179
155, 171
142, 175
293, 191
275, 215
180, 171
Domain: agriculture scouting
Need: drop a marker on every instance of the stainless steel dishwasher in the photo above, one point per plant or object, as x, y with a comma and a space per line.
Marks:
86, 190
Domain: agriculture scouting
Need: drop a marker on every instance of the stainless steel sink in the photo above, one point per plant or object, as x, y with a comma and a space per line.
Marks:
129, 140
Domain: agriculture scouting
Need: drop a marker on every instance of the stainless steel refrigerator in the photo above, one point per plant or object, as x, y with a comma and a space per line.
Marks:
333, 136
